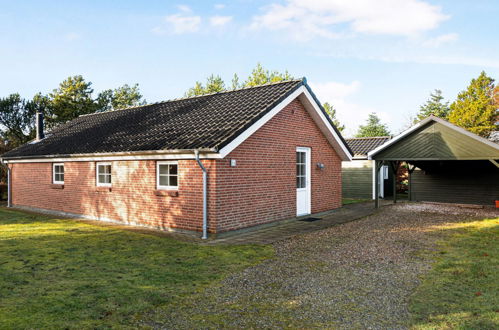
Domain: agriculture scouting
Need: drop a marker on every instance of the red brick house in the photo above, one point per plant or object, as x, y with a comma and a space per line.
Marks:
212, 163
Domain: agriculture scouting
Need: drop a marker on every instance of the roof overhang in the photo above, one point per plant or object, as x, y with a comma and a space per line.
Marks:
315, 110
116, 156
423, 123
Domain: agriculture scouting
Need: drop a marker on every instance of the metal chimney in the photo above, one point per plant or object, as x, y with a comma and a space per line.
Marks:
39, 126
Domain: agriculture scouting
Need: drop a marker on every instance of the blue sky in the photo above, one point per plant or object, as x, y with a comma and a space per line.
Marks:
363, 56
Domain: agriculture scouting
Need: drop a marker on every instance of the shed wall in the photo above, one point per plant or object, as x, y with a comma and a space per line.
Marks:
357, 177
465, 187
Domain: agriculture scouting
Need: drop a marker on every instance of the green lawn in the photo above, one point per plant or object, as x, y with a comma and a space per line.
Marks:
462, 289
347, 201
71, 274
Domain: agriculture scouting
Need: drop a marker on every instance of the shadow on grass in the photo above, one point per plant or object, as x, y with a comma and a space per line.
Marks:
462, 289
70, 274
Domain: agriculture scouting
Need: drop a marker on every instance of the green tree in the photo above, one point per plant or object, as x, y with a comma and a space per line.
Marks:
198, 89
214, 84
235, 84
331, 111
119, 98
17, 120
475, 109
72, 99
434, 106
373, 127
258, 76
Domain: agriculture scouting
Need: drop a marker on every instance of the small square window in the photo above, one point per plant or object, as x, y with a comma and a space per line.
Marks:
58, 173
167, 175
104, 174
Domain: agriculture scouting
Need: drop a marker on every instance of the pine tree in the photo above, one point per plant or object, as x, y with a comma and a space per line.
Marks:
475, 109
434, 106
373, 127
331, 111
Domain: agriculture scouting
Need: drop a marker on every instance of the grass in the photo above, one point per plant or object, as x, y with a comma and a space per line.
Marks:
462, 289
347, 201
70, 274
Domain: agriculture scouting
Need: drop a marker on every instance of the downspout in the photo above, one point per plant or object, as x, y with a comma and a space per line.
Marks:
9, 192
205, 196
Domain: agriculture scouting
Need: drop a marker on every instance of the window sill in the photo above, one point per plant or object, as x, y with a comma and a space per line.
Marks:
103, 189
57, 186
171, 193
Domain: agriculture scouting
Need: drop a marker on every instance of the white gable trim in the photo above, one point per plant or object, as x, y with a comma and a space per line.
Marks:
314, 110
423, 123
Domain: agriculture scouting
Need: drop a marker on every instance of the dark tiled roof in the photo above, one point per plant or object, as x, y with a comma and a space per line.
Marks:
209, 121
361, 146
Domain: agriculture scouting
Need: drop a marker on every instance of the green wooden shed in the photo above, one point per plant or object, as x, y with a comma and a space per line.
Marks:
358, 174
446, 163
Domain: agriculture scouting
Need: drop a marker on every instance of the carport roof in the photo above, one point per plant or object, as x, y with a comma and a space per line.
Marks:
436, 139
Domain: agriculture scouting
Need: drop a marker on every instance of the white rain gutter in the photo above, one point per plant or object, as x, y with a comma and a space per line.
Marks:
205, 196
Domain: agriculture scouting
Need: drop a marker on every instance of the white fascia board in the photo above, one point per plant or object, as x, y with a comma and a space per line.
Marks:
314, 110
259, 123
164, 156
326, 127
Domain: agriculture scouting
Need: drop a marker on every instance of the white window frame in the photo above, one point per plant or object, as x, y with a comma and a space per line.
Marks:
98, 184
53, 173
160, 187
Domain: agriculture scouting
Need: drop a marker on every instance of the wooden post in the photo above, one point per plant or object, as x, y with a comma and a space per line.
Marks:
377, 166
395, 166
410, 170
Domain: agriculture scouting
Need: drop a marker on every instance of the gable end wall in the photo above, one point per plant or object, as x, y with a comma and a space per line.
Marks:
262, 187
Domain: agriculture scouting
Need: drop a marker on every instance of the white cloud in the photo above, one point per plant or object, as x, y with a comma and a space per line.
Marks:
441, 39
306, 19
184, 8
349, 113
219, 6
72, 36
178, 24
220, 20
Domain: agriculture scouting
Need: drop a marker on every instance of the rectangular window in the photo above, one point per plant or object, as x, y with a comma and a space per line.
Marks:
301, 168
167, 175
58, 173
104, 174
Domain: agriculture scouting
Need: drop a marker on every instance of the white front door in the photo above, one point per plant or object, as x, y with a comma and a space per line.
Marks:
303, 181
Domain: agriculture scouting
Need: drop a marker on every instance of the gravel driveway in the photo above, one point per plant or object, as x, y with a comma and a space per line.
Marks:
355, 275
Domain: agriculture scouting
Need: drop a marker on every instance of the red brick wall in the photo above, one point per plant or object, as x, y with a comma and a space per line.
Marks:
262, 187
132, 197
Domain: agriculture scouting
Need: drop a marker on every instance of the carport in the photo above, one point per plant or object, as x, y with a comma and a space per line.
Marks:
446, 163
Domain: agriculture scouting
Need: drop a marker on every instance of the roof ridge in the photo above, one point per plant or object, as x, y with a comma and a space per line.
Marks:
370, 137
197, 96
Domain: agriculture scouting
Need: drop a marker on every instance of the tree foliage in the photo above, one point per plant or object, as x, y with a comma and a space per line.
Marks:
17, 120
71, 99
373, 127
259, 76
331, 111
475, 109
434, 106
75, 97
119, 98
